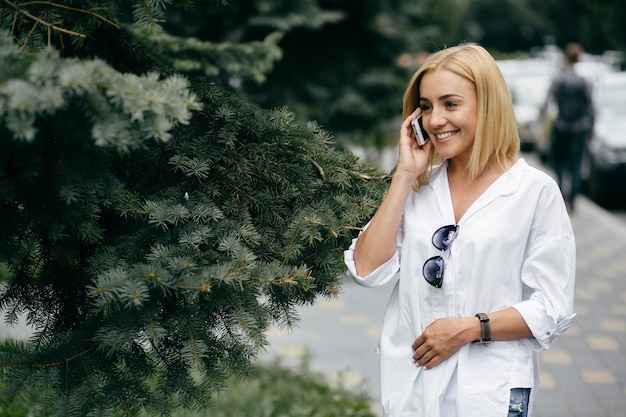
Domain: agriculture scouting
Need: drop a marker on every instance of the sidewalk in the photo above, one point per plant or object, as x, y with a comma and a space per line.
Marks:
583, 374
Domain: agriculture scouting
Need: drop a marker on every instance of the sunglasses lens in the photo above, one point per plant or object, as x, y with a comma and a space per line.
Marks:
433, 271
444, 236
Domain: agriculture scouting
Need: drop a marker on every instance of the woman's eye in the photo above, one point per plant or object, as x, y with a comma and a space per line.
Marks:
425, 107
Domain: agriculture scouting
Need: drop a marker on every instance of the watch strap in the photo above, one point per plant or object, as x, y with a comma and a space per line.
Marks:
485, 329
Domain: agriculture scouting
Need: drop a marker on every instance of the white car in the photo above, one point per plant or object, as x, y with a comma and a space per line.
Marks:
529, 94
606, 180
528, 80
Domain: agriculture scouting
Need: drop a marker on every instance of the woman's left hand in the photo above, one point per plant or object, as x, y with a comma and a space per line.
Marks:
442, 338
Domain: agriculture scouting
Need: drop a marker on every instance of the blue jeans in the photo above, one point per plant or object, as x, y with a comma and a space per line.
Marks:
518, 405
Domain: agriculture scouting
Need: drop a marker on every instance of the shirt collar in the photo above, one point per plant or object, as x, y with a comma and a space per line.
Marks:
507, 184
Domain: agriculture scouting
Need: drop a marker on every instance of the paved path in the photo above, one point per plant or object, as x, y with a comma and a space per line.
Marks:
583, 374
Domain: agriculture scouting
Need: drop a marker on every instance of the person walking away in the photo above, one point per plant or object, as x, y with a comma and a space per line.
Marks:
573, 126
482, 246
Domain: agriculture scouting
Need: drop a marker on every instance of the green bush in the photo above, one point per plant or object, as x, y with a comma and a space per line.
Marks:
275, 390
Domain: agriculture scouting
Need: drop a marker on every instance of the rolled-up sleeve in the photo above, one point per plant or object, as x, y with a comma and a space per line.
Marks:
381, 275
548, 277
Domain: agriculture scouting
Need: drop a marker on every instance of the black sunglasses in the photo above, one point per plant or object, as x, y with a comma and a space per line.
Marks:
433, 267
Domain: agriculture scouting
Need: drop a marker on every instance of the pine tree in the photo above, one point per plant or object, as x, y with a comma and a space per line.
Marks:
153, 225
341, 58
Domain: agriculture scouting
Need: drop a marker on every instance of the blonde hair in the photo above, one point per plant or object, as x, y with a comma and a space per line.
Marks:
496, 141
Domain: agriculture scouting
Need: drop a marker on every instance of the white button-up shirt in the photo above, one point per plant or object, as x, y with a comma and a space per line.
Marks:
514, 247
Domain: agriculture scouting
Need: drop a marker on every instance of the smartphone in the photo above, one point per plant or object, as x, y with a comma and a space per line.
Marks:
420, 134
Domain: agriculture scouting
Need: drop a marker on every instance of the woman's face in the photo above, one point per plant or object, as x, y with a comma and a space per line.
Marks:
448, 103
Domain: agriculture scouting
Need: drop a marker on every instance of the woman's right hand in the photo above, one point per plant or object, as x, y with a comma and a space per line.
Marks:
377, 244
412, 159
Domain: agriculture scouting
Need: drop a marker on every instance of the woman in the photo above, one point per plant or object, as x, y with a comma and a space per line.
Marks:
483, 246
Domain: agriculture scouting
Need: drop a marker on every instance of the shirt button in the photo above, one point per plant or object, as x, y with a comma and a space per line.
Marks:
548, 333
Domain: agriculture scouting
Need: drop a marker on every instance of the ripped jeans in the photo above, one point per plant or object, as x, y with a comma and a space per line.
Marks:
518, 405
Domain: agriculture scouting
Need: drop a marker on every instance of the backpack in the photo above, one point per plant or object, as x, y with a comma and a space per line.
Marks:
572, 97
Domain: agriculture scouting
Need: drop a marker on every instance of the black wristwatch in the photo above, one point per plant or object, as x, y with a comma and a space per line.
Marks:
485, 330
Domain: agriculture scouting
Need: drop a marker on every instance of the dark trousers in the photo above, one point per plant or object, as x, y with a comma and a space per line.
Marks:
567, 158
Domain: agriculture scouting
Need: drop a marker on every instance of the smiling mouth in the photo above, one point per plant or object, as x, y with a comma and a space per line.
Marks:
446, 135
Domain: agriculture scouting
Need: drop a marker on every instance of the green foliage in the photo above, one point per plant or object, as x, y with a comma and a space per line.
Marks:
340, 57
277, 391
4, 272
153, 228
125, 109
252, 60
346, 63
27, 407
597, 25
271, 390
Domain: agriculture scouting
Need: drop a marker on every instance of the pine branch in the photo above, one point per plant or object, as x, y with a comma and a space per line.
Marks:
160, 263
252, 60
39, 21
90, 12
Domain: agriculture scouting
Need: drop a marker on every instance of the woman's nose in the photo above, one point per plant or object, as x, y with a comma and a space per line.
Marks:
436, 119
